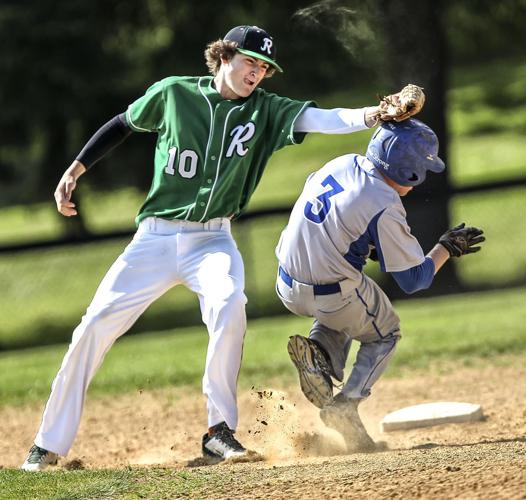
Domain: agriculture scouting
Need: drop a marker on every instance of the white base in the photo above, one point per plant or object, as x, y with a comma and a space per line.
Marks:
427, 414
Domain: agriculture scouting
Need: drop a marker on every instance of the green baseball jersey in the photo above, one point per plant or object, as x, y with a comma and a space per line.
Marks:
211, 151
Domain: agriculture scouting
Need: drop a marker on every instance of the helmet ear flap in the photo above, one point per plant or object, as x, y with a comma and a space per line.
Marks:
411, 175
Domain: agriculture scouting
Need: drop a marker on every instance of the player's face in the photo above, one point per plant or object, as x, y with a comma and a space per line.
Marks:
403, 190
242, 74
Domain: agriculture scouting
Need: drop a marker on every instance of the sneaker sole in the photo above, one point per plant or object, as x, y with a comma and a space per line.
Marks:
210, 454
313, 385
38, 467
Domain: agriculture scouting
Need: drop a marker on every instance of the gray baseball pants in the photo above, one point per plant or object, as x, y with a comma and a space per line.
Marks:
359, 312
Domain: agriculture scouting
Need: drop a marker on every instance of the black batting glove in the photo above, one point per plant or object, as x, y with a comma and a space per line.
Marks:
461, 240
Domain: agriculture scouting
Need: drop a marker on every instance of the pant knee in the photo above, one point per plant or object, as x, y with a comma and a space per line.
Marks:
103, 326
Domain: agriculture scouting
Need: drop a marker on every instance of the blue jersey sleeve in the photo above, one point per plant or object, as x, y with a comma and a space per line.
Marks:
416, 278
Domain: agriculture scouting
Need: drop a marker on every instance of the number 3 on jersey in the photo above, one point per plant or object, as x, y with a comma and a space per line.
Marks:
186, 165
324, 199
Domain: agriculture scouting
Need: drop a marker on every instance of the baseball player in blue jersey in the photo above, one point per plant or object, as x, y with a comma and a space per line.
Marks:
348, 209
215, 135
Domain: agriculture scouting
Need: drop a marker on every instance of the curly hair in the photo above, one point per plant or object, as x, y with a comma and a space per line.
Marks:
220, 48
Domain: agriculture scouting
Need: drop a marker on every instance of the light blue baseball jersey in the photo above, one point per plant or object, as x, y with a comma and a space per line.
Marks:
345, 209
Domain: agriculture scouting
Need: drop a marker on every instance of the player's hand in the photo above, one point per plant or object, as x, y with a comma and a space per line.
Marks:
65, 188
372, 116
461, 240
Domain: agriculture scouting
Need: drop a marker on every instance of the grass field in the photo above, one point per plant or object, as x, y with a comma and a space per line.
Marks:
130, 484
462, 327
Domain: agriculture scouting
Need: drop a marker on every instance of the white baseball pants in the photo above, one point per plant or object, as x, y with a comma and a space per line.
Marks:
162, 254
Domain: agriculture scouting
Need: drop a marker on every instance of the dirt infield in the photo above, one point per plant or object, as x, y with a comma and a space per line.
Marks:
485, 459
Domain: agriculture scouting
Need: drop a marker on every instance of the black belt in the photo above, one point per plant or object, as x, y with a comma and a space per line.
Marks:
317, 289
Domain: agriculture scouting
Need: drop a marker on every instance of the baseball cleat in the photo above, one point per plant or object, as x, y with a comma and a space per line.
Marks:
39, 459
313, 368
342, 416
221, 443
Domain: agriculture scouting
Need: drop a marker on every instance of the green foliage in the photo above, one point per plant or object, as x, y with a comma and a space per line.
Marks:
481, 30
288, 169
46, 292
487, 158
488, 120
26, 223
463, 328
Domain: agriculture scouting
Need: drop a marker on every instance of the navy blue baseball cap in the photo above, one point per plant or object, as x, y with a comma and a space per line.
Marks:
255, 42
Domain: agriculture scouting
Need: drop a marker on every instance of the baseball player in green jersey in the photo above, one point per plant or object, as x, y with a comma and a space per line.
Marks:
215, 135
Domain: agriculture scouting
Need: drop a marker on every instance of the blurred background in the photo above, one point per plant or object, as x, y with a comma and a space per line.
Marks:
66, 67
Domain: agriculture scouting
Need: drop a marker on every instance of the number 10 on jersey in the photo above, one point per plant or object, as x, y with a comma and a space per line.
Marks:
186, 163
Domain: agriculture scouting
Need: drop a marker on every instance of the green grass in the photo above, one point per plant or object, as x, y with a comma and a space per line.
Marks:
46, 292
448, 328
102, 212
93, 484
66, 485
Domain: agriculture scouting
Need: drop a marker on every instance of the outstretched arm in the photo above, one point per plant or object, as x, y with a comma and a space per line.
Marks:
337, 120
110, 135
401, 106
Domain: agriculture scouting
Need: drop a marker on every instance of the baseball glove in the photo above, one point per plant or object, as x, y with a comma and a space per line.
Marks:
461, 240
408, 102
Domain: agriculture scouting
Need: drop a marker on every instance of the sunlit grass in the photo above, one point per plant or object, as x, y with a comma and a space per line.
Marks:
455, 328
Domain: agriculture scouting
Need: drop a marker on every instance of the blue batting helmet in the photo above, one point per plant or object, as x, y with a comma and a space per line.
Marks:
404, 151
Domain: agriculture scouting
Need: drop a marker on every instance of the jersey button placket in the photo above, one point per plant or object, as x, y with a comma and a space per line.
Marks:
212, 159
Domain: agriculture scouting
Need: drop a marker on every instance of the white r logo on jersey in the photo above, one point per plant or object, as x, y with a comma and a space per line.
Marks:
240, 135
267, 45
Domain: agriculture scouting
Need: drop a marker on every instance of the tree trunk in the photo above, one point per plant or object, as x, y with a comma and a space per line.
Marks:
417, 53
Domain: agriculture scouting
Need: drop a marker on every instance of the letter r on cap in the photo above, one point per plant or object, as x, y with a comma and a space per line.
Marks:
267, 45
